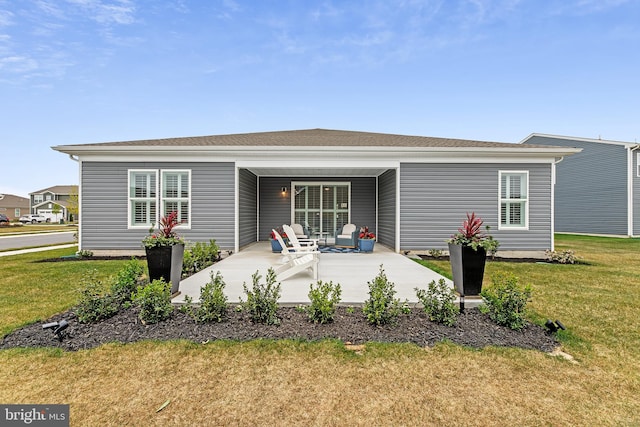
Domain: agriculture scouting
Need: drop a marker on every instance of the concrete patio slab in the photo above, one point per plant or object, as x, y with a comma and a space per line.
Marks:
351, 270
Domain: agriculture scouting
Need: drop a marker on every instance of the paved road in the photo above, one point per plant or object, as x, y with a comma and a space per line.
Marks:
29, 240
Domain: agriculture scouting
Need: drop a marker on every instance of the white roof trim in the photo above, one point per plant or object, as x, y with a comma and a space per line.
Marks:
218, 153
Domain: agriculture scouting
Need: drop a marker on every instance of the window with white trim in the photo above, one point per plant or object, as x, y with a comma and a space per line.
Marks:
38, 198
154, 193
176, 191
513, 193
142, 198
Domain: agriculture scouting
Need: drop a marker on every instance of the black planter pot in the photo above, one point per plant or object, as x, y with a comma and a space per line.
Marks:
467, 266
166, 262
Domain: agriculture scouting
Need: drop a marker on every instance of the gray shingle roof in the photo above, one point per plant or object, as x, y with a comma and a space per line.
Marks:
306, 138
58, 189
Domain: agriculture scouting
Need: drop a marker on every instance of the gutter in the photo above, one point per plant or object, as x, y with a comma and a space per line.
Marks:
630, 213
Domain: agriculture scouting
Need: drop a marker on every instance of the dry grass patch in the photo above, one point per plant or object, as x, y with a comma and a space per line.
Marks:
294, 383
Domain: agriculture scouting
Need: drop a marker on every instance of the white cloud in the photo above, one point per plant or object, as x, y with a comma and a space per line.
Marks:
108, 12
18, 64
50, 8
6, 18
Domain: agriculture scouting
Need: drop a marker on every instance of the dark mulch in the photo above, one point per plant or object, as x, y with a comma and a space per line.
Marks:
472, 329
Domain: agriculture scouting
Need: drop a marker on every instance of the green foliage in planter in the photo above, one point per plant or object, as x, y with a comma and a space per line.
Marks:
213, 301
324, 297
199, 256
154, 301
381, 307
262, 299
505, 301
127, 281
95, 304
438, 302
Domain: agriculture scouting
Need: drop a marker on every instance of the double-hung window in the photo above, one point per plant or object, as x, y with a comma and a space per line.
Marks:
154, 193
143, 189
514, 199
176, 187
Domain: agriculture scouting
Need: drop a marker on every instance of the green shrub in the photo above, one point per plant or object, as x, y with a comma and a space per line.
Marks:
381, 308
505, 301
95, 304
154, 301
323, 297
127, 281
262, 300
199, 256
438, 302
434, 253
565, 257
213, 301
84, 254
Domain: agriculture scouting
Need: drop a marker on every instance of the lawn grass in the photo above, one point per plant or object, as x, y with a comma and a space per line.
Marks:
31, 291
299, 383
35, 228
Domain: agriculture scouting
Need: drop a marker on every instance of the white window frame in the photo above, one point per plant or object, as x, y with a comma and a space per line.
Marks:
38, 198
131, 199
321, 208
163, 200
525, 200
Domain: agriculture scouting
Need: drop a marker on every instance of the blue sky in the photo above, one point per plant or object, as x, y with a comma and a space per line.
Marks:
81, 71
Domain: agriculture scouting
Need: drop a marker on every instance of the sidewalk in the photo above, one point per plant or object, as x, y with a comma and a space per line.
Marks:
40, 249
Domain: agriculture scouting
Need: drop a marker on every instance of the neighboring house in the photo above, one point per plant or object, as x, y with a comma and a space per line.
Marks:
412, 191
55, 202
13, 206
597, 190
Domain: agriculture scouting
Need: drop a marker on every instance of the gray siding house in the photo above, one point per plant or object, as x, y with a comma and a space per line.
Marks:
55, 203
598, 189
412, 191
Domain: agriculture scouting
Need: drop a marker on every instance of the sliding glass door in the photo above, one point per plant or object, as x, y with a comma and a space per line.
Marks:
322, 207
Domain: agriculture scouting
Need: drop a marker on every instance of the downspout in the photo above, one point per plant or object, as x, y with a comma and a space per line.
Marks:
630, 190
79, 234
553, 202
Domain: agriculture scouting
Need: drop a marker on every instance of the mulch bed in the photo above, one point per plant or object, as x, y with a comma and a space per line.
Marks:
473, 329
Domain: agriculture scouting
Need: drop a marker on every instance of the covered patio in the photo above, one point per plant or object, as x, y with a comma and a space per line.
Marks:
351, 270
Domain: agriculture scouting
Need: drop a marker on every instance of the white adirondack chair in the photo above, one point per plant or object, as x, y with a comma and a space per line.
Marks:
299, 245
296, 261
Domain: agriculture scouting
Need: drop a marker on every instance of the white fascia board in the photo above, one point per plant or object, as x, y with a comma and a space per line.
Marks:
326, 158
109, 153
573, 138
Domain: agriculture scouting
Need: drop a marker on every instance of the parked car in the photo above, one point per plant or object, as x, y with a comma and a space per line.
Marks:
33, 218
3, 219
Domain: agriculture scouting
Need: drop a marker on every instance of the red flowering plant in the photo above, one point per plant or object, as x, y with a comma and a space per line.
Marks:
366, 234
470, 234
165, 235
280, 231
